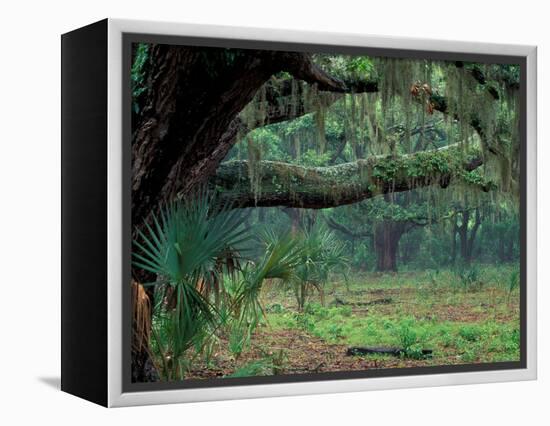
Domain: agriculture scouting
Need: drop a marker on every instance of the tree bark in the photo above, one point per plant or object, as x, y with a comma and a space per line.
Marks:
453, 239
273, 183
466, 235
190, 118
386, 244
176, 143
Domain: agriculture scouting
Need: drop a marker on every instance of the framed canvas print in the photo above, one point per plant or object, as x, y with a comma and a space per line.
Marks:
251, 213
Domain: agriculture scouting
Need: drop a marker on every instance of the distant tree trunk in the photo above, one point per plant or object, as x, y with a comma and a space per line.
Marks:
294, 215
407, 250
510, 254
463, 236
386, 244
453, 240
473, 233
468, 236
506, 244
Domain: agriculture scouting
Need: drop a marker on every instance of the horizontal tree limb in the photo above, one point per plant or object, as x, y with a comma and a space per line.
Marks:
273, 183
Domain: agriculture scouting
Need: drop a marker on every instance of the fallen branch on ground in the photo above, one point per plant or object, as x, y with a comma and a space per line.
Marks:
353, 351
383, 301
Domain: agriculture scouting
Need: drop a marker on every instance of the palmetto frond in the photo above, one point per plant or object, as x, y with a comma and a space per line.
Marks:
186, 246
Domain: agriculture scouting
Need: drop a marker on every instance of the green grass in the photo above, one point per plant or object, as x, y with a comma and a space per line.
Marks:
463, 317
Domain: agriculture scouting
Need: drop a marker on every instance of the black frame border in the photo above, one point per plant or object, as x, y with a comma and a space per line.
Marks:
84, 235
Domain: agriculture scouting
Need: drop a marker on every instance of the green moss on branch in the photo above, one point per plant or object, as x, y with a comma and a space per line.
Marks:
283, 184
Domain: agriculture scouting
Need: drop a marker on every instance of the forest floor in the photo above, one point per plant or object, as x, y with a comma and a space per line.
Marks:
463, 320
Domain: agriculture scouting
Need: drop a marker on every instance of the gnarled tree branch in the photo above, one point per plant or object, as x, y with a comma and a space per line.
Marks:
302, 67
273, 183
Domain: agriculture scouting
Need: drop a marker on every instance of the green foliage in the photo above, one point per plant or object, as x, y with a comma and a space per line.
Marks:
188, 239
271, 363
409, 338
185, 247
137, 74
469, 276
275, 308
320, 254
513, 281
254, 368
421, 317
239, 338
360, 65
470, 333
314, 159
304, 321
281, 258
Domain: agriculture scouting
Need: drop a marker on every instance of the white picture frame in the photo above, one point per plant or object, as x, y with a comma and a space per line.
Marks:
116, 394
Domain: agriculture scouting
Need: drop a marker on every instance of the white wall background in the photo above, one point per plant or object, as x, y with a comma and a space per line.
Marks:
30, 210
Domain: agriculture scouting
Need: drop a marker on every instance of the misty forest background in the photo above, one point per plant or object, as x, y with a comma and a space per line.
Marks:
297, 213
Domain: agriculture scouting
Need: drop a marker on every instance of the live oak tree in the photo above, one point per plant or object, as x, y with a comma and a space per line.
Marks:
192, 105
383, 221
192, 112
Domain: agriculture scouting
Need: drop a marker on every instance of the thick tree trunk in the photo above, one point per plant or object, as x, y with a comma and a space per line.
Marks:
190, 120
386, 244
143, 368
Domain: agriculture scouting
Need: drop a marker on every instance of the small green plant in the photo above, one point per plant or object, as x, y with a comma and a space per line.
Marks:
409, 339
513, 282
415, 352
434, 277
469, 277
470, 333
185, 247
406, 334
313, 308
512, 343
209, 348
275, 308
255, 368
335, 331
279, 360
304, 321
320, 254
446, 339
469, 355
346, 311
239, 339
